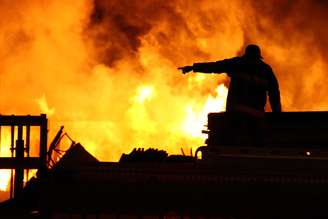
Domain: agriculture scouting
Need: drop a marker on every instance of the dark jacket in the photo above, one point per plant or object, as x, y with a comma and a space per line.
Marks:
251, 81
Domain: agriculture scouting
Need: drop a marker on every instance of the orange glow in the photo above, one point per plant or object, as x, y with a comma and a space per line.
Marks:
4, 152
144, 93
5, 178
42, 102
195, 120
107, 70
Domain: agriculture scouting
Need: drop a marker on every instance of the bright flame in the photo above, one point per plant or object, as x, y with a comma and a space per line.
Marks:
44, 107
4, 179
4, 152
195, 120
218, 103
144, 93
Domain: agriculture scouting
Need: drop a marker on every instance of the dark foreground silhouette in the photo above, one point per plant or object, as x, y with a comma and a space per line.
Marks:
288, 178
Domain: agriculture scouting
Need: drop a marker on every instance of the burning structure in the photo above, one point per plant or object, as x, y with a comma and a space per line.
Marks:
285, 177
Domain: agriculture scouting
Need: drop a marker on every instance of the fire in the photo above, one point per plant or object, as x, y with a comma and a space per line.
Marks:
195, 120
107, 70
5, 178
144, 93
4, 152
44, 105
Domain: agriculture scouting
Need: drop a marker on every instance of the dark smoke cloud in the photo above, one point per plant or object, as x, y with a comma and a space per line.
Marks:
297, 23
292, 19
117, 26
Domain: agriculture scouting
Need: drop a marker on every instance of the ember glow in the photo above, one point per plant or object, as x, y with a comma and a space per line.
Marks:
107, 70
4, 152
5, 178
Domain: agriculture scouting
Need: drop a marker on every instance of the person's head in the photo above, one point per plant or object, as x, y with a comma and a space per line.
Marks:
253, 51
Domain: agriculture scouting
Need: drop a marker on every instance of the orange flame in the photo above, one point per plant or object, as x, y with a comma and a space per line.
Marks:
4, 152
5, 178
195, 120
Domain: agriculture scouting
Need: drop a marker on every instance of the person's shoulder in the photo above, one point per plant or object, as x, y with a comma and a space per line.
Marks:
236, 59
267, 70
266, 66
228, 61
231, 60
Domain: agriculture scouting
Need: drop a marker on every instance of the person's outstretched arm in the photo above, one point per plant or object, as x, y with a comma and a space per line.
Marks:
208, 67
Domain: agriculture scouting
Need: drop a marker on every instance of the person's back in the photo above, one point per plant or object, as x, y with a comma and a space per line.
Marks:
251, 80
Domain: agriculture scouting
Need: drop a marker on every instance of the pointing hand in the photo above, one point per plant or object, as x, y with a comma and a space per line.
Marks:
186, 69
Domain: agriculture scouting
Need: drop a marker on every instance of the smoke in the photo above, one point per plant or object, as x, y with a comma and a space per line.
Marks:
107, 69
118, 26
296, 44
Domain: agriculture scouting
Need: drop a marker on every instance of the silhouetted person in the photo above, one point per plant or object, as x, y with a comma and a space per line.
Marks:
251, 81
